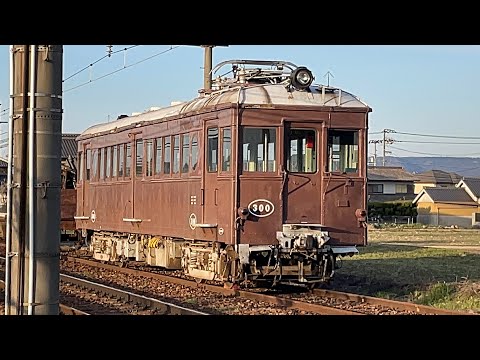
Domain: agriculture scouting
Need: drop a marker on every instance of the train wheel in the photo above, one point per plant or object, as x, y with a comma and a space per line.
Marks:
199, 281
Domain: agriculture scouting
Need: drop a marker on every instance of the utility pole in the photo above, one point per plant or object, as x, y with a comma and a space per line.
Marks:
375, 142
207, 68
385, 141
35, 215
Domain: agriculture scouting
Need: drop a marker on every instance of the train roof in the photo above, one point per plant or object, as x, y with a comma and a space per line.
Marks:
268, 84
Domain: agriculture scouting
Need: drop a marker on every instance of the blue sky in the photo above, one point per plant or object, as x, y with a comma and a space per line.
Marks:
418, 89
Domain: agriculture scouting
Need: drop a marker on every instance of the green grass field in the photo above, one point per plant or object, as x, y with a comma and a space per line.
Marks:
396, 265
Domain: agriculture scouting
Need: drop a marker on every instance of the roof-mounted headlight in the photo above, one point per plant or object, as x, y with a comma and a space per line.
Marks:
301, 78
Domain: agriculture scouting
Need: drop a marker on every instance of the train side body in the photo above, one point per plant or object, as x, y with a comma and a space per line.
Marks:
220, 185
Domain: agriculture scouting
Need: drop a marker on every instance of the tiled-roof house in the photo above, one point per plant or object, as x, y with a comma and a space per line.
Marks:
447, 206
436, 178
389, 183
69, 160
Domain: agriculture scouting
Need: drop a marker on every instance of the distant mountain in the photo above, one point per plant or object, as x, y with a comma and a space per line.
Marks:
464, 166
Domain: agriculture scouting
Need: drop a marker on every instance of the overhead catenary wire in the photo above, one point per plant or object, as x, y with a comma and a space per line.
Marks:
97, 61
123, 68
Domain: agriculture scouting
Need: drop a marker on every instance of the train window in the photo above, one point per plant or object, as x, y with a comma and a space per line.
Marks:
185, 152
114, 161
88, 162
212, 150
259, 150
301, 151
167, 156
81, 161
226, 149
149, 157
176, 154
95, 164
102, 163
109, 162
194, 151
139, 157
128, 160
158, 155
343, 151
121, 160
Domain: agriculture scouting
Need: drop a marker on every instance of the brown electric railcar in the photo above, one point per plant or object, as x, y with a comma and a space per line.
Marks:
261, 178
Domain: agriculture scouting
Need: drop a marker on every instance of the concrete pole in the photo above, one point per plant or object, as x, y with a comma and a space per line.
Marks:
384, 143
43, 285
19, 178
207, 68
47, 179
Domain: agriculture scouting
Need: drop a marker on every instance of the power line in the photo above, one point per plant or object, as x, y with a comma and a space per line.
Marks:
123, 68
423, 153
431, 142
98, 60
437, 136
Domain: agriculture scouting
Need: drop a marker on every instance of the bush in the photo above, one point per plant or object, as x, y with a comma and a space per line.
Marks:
379, 209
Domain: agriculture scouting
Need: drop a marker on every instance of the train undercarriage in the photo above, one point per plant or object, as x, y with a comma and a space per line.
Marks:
301, 255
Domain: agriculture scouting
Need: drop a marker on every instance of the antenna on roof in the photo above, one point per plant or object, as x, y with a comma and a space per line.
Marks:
328, 74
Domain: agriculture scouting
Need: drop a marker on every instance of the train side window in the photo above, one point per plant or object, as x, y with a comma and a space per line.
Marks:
109, 162
342, 151
176, 154
158, 155
185, 152
226, 148
80, 168
114, 161
121, 160
194, 152
88, 163
212, 150
128, 160
138, 158
149, 157
301, 151
95, 164
167, 156
102, 163
259, 150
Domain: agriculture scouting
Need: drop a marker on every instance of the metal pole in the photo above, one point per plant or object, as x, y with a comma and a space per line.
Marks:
8, 220
207, 68
48, 145
31, 184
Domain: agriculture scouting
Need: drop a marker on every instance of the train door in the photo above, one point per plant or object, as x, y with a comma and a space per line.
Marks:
210, 187
302, 173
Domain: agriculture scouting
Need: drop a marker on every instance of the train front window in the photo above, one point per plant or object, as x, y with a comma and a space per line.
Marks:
342, 151
88, 163
212, 150
259, 150
128, 160
139, 158
227, 149
80, 172
301, 151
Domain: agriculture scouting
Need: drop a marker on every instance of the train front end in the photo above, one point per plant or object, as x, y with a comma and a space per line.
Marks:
302, 180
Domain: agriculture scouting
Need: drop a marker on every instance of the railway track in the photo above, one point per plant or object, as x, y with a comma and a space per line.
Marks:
325, 302
319, 301
104, 294
64, 309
